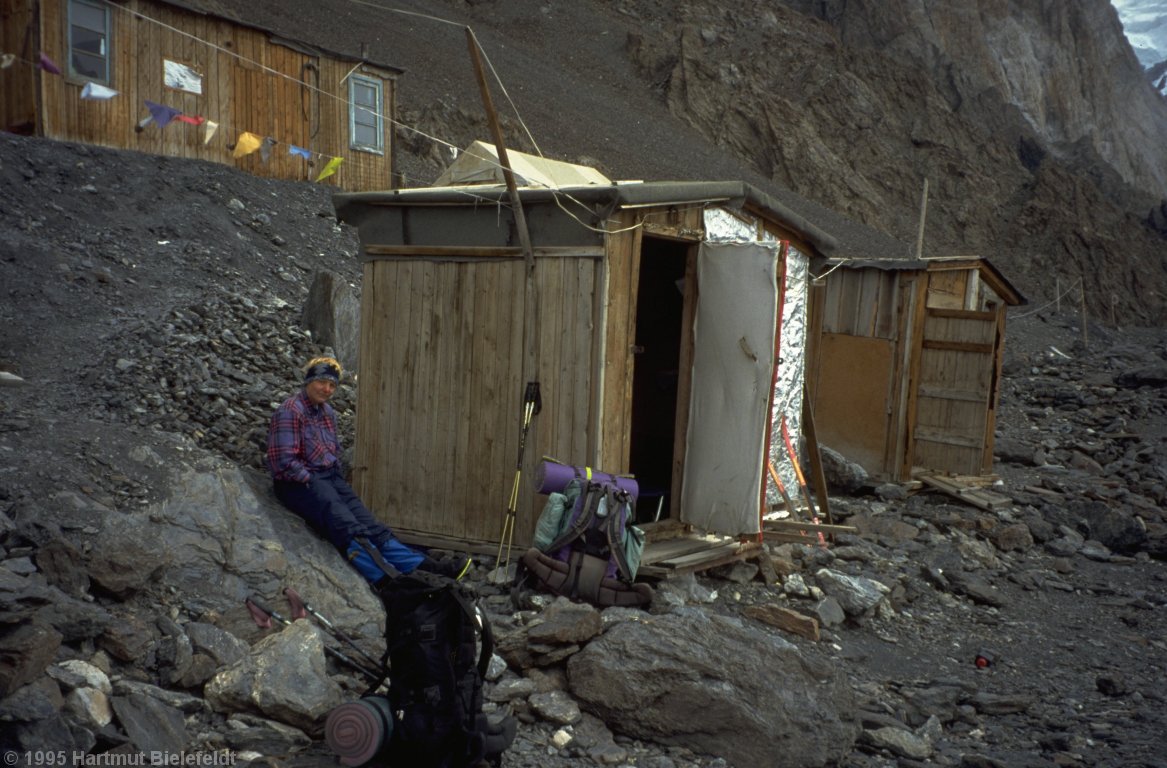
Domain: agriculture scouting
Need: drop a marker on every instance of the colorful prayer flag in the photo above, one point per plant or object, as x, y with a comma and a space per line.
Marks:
294, 150
97, 92
48, 65
161, 113
192, 119
6, 60
330, 169
248, 143
209, 129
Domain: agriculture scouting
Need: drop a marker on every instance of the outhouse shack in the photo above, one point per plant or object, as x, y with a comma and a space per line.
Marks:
173, 78
647, 312
904, 362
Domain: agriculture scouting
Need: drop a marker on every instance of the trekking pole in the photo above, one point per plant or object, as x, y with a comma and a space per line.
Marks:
262, 615
301, 609
532, 404
814, 515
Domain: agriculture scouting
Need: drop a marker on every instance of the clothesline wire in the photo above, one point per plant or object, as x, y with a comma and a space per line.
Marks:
1052, 301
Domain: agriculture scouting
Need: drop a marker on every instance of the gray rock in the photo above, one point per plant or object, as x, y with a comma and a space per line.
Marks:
247, 733
856, 595
152, 725
719, 675
332, 313
555, 707
25, 652
829, 612
284, 679
565, 622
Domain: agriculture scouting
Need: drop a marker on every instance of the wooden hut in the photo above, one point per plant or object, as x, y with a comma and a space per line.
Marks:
308, 105
647, 312
904, 362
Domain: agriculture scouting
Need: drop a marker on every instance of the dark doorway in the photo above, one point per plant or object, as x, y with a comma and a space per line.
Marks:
659, 312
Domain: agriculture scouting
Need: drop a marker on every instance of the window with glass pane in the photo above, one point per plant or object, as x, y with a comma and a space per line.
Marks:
365, 113
89, 40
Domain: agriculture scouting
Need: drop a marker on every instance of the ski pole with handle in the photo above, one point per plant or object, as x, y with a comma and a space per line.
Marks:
532, 404
262, 615
301, 609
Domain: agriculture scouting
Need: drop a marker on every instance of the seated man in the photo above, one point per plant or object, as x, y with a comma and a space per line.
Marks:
303, 455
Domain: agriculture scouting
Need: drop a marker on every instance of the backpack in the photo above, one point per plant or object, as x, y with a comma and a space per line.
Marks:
436, 671
596, 552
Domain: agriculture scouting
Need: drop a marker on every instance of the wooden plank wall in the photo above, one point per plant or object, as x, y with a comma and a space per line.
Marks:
17, 83
249, 84
440, 403
861, 302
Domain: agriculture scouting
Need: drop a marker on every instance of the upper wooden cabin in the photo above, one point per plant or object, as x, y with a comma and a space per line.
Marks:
241, 77
904, 365
648, 315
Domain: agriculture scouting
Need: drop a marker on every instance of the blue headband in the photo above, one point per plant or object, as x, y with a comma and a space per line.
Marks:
326, 371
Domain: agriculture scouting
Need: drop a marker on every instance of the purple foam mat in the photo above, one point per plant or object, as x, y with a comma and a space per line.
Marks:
553, 477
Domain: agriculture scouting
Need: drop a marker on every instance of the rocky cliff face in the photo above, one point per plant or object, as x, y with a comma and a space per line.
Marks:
1064, 68
1032, 122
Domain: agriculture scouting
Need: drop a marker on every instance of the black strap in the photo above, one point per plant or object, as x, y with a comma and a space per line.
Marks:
615, 498
590, 502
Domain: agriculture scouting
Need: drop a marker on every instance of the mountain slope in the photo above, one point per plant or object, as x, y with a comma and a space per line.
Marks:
1032, 122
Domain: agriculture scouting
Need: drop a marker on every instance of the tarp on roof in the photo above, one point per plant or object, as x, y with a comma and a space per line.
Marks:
479, 164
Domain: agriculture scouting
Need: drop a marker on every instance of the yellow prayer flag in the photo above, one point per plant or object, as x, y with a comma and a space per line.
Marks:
330, 169
248, 143
209, 129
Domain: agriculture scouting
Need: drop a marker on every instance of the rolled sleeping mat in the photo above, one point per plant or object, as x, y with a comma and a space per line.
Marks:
358, 731
553, 477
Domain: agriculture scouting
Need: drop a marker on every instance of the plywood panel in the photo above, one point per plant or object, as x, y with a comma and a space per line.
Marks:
852, 397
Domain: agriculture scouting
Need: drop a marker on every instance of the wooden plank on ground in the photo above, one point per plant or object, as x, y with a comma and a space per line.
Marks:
977, 497
797, 525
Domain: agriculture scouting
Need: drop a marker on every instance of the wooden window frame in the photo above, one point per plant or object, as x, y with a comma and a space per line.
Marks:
106, 56
377, 111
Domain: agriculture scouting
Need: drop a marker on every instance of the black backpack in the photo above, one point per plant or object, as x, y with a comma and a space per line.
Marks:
435, 669
435, 675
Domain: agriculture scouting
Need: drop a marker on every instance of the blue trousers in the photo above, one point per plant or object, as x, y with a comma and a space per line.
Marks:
331, 507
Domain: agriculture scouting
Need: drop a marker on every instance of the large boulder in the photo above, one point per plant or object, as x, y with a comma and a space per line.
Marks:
716, 685
284, 678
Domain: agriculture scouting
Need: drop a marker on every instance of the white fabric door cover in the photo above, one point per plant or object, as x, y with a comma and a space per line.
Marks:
733, 359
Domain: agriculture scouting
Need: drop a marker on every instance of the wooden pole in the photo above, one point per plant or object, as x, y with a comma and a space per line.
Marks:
923, 216
507, 175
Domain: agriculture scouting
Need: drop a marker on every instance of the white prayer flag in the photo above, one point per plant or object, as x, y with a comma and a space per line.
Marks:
97, 92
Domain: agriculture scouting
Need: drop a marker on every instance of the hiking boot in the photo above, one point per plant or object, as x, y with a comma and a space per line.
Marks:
454, 568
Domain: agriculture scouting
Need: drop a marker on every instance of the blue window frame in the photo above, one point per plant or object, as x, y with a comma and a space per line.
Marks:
89, 38
365, 110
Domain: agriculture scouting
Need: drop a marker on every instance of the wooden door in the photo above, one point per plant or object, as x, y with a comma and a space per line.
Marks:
954, 393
